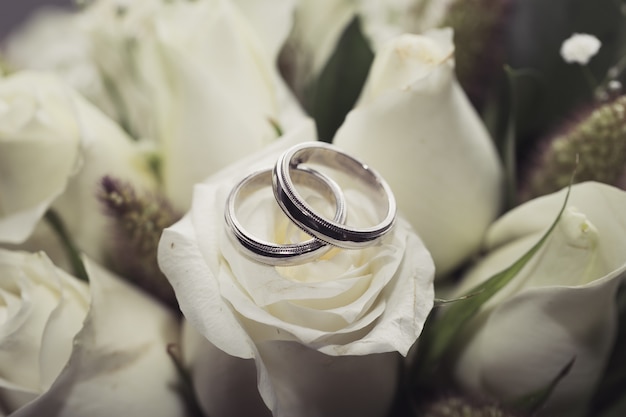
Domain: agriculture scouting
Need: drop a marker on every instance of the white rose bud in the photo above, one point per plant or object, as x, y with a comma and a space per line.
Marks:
55, 148
560, 307
324, 337
415, 125
67, 349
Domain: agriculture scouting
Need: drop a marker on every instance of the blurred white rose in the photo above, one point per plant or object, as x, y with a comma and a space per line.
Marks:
197, 78
415, 125
324, 336
40, 149
42, 309
52, 39
67, 351
55, 148
383, 21
560, 307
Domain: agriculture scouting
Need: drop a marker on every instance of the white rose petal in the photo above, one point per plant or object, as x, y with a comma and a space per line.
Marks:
272, 20
370, 303
560, 307
383, 21
41, 310
40, 145
415, 125
106, 151
580, 48
51, 39
200, 81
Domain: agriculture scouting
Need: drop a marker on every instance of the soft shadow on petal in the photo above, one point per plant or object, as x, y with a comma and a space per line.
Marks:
526, 342
308, 383
216, 375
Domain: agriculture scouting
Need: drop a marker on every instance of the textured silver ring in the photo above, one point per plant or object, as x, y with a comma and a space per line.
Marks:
330, 230
274, 253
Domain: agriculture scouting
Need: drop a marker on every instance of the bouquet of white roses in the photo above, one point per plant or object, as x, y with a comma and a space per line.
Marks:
147, 268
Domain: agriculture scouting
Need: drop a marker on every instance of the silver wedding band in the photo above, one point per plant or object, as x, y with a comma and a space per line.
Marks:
332, 231
291, 169
273, 253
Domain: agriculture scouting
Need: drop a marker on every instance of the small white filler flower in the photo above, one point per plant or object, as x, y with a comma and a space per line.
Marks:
580, 48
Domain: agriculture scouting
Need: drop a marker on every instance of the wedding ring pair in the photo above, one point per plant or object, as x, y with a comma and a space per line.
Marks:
294, 167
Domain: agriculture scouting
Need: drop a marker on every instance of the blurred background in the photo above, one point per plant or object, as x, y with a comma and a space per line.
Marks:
12, 12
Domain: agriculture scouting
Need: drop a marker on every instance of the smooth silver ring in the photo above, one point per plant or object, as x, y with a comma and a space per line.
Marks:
331, 231
274, 253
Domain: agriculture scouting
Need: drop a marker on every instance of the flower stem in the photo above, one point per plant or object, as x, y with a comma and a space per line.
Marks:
591, 80
72, 251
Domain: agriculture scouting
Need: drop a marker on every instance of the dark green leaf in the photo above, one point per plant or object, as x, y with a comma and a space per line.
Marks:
333, 94
72, 251
441, 301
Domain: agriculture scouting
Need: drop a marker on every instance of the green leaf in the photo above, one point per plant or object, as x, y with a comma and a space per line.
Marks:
517, 81
500, 116
333, 94
185, 386
533, 401
442, 301
439, 333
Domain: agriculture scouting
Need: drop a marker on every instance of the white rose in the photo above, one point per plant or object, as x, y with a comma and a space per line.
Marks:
52, 39
323, 336
415, 125
42, 309
560, 307
39, 150
68, 351
199, 81
55, 147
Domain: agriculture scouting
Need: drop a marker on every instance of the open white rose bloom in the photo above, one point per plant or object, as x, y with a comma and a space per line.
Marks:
560, 307
63, 344
416, 126
340, 320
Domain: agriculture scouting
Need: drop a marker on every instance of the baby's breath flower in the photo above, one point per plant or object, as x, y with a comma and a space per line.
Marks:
580, 48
